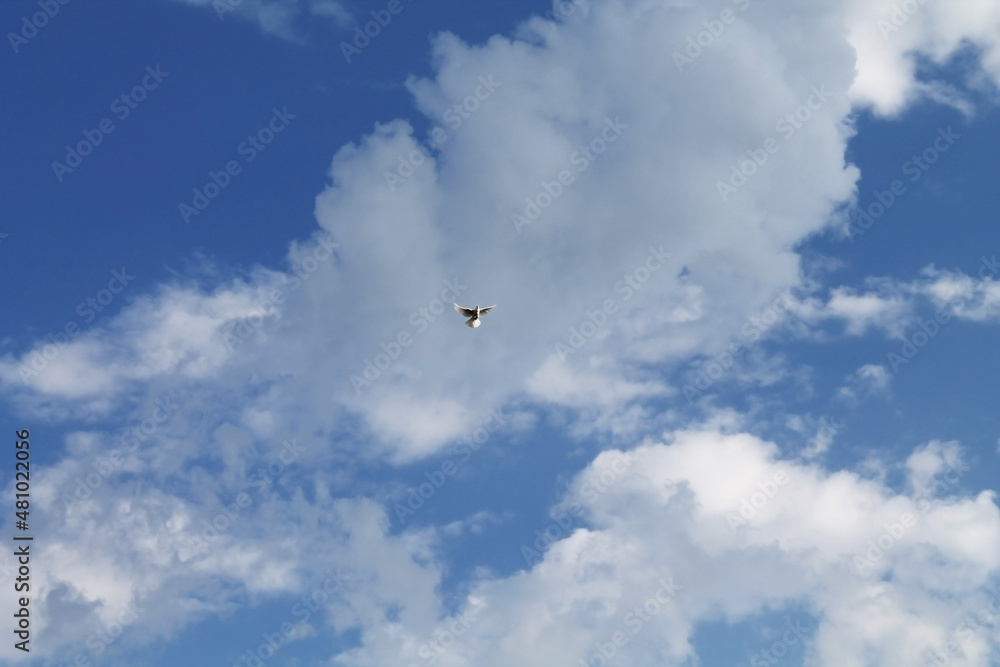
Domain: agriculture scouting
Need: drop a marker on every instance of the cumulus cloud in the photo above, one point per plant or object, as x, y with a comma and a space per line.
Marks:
350, 352
679, 273
646, 542
891, 38
681, 268
652, 541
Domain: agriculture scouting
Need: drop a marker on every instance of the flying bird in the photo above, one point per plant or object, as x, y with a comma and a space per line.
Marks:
474, 314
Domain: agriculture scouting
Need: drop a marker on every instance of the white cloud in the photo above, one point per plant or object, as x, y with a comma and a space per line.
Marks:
675, 516
935, 460
669, 516
868, 381
566, 384
176, 334
825, 431
962, 296
719, 517
677, 135
894, 307
863, 312
886, 308
890, 36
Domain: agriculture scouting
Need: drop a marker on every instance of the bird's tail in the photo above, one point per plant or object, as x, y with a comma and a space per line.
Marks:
473, 322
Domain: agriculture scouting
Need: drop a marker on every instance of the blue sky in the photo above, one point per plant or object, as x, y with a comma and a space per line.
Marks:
718, 417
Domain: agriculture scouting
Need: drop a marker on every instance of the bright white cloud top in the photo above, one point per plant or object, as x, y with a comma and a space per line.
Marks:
633, 183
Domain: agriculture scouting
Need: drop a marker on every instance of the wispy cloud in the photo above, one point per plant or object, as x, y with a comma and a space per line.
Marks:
281, 18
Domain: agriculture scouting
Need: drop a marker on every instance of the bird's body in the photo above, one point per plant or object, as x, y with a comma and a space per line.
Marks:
474, 314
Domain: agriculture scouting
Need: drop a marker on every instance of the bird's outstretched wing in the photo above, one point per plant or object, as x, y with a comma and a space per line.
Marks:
487, 309
467, 312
